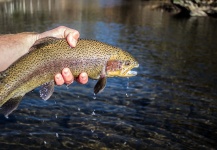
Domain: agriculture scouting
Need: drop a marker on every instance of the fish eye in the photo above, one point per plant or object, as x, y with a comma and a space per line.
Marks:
127, 63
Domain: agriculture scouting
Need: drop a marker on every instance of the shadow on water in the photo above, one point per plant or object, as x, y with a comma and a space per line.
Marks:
170, 104
5, 121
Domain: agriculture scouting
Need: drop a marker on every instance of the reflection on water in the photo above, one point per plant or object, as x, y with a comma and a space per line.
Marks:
170, 104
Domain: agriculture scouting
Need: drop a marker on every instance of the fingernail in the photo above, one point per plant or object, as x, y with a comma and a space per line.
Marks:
66, 71
58, 76
74, 42
83, 77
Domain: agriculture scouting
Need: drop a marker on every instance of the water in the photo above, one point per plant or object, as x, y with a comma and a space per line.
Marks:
170, 104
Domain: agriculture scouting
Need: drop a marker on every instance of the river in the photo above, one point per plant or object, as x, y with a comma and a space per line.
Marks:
170, 104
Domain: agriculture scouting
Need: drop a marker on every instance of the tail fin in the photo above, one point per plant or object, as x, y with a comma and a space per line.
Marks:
11, 105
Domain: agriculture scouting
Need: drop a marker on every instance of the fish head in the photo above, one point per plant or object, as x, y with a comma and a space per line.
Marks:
121, 64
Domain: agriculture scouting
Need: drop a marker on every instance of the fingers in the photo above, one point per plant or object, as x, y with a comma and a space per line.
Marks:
59, 79
71, 35
82, 78
71, 40
67, 76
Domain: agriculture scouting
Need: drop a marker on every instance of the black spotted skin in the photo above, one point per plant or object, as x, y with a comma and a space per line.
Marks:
49, 56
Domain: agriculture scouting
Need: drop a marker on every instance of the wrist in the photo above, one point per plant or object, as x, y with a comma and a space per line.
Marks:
13, 46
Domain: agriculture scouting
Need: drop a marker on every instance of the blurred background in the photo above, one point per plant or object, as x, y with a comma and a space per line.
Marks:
170, 104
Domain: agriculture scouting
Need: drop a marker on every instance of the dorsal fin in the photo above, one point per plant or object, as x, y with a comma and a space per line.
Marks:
2, 76
43, 42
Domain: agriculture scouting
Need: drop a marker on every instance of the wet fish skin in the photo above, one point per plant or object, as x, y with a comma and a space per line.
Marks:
49, 56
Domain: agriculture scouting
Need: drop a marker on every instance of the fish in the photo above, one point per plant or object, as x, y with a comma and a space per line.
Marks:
48, 56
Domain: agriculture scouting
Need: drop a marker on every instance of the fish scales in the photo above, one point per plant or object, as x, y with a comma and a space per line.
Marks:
41, 63
49, 56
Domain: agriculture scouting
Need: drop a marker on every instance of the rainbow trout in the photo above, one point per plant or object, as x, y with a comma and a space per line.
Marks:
48, 56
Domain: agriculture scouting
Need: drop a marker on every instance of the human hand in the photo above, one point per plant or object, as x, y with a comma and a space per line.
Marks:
71, 36
13, 46
66, 77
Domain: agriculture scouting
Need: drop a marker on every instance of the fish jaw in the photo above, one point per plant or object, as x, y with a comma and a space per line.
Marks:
123, 71
129, 72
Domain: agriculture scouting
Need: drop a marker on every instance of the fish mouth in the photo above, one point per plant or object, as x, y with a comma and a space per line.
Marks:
128, 72
131, 73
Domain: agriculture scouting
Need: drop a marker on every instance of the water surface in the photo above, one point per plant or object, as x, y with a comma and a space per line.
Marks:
170, 104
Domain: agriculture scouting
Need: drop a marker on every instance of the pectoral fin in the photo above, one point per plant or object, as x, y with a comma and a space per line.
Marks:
47, 90
11, 105
100, 85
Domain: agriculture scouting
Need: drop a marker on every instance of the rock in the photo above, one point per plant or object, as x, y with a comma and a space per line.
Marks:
197, 12
166, 6
198, 7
